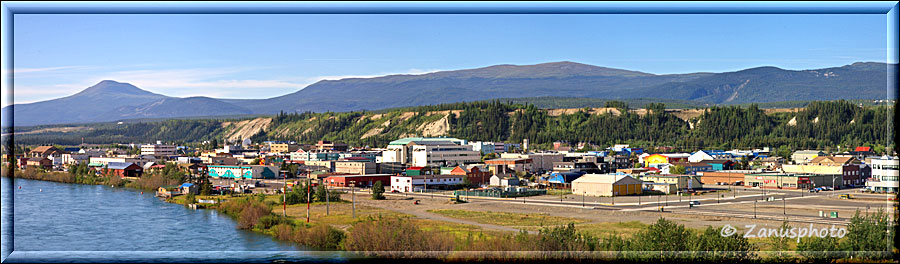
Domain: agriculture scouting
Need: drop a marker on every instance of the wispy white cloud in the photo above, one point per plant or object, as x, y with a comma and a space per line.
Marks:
44, 69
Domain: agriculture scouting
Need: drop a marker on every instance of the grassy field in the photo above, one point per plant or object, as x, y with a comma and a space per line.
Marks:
611, 228
508, 219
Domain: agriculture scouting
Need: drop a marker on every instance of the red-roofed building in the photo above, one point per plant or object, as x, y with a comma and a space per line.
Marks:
863, 148
651, 170
474, 174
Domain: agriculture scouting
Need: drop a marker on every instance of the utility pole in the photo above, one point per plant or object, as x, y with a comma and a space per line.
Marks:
284, 196
326, 198
353, 197
754, 209
582, 198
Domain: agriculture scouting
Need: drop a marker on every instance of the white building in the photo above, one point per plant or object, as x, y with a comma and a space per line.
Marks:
702, 155
884, 175
420, 182
74, 158
93, 152
103, 161
504, 181
159, 150
400, 151
483, 147
442, 153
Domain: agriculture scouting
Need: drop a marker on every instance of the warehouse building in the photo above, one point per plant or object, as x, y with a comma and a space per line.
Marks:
606, 185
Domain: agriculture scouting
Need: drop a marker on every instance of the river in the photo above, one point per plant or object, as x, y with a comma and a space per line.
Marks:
59, 222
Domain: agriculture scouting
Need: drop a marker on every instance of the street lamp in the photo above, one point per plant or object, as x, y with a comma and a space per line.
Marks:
784, 206
832, 185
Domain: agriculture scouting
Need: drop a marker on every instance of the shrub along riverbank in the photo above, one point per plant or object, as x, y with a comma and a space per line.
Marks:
392, 236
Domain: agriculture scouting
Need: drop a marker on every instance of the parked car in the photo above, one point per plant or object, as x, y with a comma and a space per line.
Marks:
695, 203
814, 190
260, 184
826, 188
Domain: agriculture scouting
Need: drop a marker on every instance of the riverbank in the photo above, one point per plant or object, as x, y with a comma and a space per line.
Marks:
56, 217
383, 232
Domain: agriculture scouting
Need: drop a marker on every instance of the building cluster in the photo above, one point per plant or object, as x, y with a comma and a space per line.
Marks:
419, 163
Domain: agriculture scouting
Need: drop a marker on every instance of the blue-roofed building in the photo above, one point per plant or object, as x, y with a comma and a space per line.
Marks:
72, 150
187, 188
718, 165
564, 177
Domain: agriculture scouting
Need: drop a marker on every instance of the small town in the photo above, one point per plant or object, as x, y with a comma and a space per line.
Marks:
410, 165
291, 131
462, 182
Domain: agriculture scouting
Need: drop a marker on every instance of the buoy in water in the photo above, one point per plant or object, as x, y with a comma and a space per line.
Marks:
20, 187
42, 190
142, 192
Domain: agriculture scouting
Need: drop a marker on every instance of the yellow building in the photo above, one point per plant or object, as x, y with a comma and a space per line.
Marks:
655, 159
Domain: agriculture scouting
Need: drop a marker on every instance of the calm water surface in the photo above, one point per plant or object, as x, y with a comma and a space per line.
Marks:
83, 223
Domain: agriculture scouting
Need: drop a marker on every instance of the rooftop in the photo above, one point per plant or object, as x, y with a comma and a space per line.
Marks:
404, 141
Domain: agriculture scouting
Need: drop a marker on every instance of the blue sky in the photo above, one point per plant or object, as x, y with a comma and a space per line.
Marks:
261, 56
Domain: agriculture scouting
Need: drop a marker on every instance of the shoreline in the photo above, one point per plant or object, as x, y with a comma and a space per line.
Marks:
291, 229
172, 200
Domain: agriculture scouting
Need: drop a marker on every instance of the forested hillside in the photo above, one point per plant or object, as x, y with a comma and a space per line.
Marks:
820, 125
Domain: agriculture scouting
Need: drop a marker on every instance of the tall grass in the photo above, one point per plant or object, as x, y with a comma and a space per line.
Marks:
320, 237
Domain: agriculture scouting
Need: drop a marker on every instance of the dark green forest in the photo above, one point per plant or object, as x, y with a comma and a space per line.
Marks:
821, 125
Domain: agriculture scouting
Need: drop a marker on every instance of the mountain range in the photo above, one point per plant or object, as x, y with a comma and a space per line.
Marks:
110, 100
